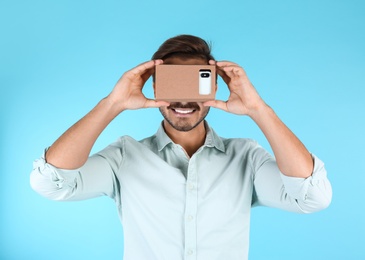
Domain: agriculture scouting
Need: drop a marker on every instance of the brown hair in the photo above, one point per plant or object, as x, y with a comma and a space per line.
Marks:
184, 46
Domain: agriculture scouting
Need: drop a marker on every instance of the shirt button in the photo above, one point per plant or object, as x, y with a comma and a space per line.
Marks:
190, 252
191, 186
190, 217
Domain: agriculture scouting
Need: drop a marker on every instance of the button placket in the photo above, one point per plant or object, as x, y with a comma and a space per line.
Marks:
191, 211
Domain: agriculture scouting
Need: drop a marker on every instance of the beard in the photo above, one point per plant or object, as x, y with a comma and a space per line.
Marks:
185, 124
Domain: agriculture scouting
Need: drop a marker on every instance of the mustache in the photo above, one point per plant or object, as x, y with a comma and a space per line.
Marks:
191, 105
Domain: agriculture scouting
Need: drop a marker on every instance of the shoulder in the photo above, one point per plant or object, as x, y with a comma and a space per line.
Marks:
118, 147
239, 143
127, 142
246, 148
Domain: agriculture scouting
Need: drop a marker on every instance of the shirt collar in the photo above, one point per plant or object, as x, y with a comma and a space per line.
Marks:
211, 140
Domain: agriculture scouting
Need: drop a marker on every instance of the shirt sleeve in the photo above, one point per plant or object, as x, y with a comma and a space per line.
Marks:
302, 195
95, 178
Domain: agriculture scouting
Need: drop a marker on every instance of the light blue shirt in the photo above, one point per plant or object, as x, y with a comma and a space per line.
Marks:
175, 207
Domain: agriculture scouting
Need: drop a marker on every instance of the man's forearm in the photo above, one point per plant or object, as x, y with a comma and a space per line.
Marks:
291, 155
72, 149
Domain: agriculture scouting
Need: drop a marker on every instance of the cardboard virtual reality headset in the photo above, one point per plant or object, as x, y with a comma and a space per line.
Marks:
185, 83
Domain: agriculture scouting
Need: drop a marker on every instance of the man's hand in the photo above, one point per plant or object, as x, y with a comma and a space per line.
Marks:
243, 99
71, 150
127, 93
291, 155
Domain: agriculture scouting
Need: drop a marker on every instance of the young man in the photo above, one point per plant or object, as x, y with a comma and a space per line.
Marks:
184, 193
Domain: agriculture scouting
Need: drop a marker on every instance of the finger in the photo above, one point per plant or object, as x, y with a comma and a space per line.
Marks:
154, 103
219, 70
223, 75
158, 62
225, 63
142, 68
233, 71
229, 73
227, 70
216, 104
148, 73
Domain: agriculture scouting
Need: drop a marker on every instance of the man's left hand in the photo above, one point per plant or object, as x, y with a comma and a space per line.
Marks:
243, 98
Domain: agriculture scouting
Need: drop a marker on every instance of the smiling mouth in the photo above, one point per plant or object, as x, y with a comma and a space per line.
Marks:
183, 111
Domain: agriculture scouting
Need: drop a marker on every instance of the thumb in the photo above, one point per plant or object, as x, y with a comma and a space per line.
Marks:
217, 104
155, 103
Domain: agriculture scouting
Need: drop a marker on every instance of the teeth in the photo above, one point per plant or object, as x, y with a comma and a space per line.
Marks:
183, 111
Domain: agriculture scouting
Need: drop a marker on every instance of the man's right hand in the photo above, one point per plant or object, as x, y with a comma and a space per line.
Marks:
71, 150
127, 93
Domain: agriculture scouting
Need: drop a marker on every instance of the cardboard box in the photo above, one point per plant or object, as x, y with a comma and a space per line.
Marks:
185, 83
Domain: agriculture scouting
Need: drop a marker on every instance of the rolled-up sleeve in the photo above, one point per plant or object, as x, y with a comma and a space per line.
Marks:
313, 193
95, 178
302, 195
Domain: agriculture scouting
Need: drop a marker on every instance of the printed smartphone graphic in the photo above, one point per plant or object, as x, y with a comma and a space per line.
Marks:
205, 82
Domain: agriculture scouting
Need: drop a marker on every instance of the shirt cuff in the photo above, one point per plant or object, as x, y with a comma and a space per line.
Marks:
298, 188
59, 177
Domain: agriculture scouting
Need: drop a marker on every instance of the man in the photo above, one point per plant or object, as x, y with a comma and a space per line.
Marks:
184, 193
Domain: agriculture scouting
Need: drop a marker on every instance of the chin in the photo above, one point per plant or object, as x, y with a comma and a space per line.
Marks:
183, 124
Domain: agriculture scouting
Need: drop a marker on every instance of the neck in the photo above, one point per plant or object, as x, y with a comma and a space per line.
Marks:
191, 140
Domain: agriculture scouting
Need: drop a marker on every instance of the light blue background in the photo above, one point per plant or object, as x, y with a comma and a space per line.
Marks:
59, 58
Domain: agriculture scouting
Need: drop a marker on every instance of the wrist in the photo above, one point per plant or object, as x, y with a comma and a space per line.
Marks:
260, 112
112, 106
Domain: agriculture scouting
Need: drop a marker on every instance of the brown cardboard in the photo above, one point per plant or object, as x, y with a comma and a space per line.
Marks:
175, 83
